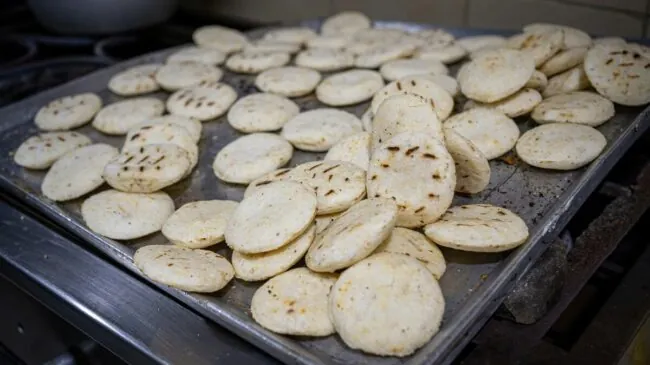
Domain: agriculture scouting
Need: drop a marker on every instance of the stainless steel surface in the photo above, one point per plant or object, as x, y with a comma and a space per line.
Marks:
474, 284
100, 16
606, 294
116, 309
31, 325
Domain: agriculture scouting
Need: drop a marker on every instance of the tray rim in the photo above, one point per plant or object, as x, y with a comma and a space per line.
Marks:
470, 316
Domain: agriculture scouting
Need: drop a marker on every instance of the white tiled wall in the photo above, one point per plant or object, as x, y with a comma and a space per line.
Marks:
515, 13
628, 18
638, 6
260, 10
443, 12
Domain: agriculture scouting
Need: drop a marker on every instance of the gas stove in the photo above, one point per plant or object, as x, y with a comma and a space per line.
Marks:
34, 59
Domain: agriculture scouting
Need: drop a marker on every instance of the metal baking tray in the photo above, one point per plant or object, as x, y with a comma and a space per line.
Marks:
474, 284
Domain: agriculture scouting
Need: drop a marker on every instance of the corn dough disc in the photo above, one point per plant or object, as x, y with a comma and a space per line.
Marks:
446, 82
163, 134
345, 23
349, 87
447, 54
337, 184
261, 112
377, 56
482, 52
495, 75
124, 216
560, 146
404, 113
398, 69
203, 102
381, 51
537, 81
319, 129
41, 151
579, 107
388, 305
472, 167
520, 103
136, 80
199, 224
609, 41
249, 157
68, 112
569, 81
295, 35
412, 39
78, 172
368, 40
295, 303
119, 117
325, 59
212, 57
417, 38
572, 37
366, 119
563, 61
270, 46
416, 171
271, 217
491, 131
335, 42
414, 244
359, 47
439, 99
353, 236
478, 228
539, 46
378, 36
147, 168
354, 149
256, 62
477, 43
261, 266
324, 221
191, 125
436, 37
288, 81
621, 74
277, 175
198, 271
180, 75
640, 48
220, 38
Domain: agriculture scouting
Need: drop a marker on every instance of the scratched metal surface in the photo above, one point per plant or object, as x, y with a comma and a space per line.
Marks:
473, 285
